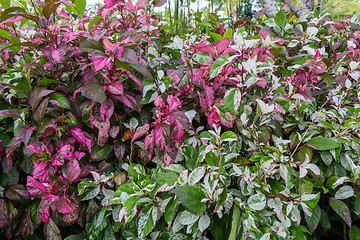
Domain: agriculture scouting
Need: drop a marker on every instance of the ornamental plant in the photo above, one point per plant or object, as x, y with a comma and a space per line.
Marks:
113, 128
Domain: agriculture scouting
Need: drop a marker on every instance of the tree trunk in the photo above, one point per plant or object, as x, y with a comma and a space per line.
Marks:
270, 8
306, 6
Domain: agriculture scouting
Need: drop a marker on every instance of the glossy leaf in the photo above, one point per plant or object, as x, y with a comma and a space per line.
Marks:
191, 197
342, 210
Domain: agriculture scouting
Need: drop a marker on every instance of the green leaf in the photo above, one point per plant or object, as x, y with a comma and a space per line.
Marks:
313, 221
100, 153
191, 197
5, 3
357, 204
191, 157
75, 237
217, 37
5, 34
232, 100
217, 65
146, 222
204, 24
91, 45
280, 19
322, 143
326, 157
228, 34
325, 220
80, 6
257, 201
170, 210
11, 12
228, 135
52, 231
143, 70
341, 209
210, 159
61, 99
94, 91
90, 193
92, 22
354, 233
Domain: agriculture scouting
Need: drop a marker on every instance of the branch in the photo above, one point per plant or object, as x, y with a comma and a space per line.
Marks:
293, 7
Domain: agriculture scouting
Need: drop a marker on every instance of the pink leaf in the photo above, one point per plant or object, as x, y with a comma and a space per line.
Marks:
140, 132
208, 49
81, 138
100, 62
64, 205
44, 207
116, 88
103, 127
222, 45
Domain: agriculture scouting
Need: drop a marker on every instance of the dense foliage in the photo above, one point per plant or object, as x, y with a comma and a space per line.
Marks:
112, 128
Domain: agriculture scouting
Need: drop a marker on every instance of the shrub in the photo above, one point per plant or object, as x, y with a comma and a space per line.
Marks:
114, 129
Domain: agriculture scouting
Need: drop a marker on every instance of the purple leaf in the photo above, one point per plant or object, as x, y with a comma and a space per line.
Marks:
36, 95
107, 109
114, 130
9, 113
17, 192
119, 150
72, 170
64, 205
79, 135
27, 226
10, 148
94, 91
4, 219
25, 133
41, 110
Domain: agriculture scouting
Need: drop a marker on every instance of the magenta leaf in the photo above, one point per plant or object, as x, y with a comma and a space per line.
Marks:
44, 207
81, 137
64, 205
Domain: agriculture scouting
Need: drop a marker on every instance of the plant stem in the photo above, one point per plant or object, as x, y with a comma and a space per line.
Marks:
235, 222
